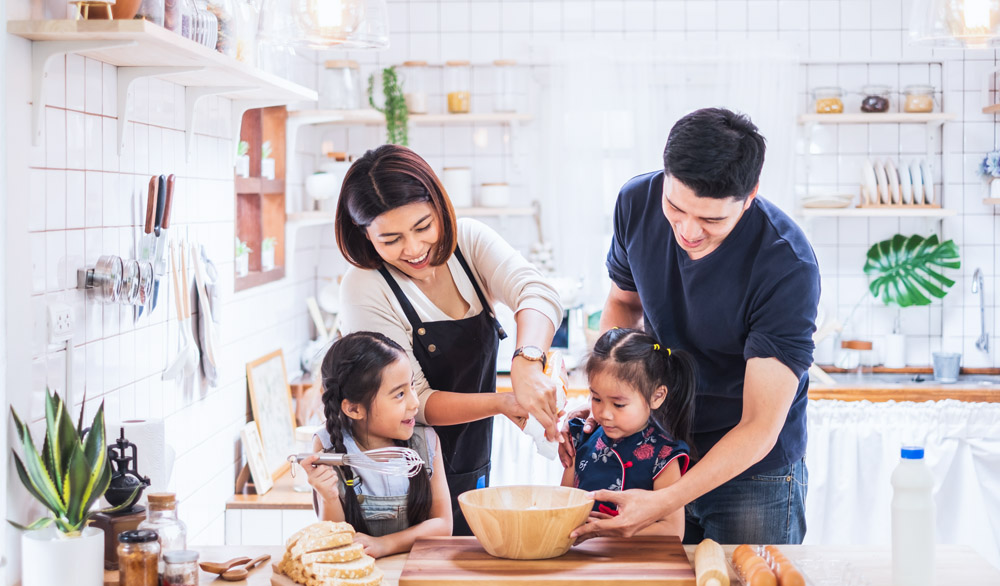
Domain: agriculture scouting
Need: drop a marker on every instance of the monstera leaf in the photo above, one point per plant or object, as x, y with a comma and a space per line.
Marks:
907, 270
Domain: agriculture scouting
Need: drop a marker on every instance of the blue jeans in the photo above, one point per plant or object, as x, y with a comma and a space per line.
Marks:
765, 508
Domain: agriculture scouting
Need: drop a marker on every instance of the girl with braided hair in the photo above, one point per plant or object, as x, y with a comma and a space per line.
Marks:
642, 397
369, 403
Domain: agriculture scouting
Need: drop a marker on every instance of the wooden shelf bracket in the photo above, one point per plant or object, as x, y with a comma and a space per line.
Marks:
128, 76
42, 53
193, 95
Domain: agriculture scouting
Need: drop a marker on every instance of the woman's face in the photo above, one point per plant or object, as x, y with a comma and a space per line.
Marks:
405, 236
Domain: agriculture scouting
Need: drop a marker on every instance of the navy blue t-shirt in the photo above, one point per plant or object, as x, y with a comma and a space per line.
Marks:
755, 296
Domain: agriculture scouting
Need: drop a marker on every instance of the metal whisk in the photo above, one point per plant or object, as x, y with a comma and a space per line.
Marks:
394, 461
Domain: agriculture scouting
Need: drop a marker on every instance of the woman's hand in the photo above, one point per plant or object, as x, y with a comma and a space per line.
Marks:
567, 453
322, 478
536, 392
637, 509
374, 546
512, 409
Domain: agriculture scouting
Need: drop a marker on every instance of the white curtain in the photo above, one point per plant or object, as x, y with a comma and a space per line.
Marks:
854, 447
606, 110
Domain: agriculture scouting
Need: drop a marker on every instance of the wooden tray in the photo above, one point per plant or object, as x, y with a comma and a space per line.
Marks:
638, 561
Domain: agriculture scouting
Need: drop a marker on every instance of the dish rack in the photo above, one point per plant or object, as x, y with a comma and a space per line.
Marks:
906, 187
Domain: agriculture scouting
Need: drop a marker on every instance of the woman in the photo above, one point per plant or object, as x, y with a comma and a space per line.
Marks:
429, 282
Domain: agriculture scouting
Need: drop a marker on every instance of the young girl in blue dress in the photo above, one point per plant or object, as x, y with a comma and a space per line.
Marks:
642, 397
369, 403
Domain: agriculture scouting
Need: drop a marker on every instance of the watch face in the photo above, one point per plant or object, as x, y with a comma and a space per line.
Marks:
531, 353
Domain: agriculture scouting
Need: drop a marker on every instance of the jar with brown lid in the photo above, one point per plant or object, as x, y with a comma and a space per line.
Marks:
138, 558
458, 84
161, 517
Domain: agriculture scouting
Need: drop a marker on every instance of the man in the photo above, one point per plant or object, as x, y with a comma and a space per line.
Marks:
706, 265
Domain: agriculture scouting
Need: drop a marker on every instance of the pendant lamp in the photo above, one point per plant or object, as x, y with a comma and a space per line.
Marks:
971, 24
342, 24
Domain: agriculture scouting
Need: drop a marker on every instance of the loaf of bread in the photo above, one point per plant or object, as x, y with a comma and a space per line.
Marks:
324, 554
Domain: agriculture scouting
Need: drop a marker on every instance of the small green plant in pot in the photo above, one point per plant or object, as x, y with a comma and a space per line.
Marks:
267, 253
266, 162
907, 271
242, 258
396, 114
68, 477
243, 159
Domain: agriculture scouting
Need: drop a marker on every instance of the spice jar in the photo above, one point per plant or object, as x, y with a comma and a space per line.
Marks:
415, 86
225, 16
876, 98
506, 82
458, 83
151, 10
161, 517
138, 554
181, 568
829, 100
341, 89
919, 98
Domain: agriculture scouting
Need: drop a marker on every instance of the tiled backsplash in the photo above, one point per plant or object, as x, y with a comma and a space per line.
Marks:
80, 192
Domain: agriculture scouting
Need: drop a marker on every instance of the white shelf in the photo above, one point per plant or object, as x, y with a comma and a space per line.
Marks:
875, 213
482, 211
930, 118
375, 118
304, 219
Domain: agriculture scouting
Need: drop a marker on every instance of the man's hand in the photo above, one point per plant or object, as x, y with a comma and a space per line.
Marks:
637, 509
536, 392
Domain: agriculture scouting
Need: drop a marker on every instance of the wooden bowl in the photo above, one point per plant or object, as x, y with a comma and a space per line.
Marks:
525, 522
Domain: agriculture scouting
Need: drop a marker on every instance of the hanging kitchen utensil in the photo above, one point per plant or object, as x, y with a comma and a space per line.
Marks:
160, 266
205, 326
187, 357
162, 202
147, 243
193, 353
392, 461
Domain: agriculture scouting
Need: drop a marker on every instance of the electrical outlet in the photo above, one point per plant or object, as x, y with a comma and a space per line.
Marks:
60, 323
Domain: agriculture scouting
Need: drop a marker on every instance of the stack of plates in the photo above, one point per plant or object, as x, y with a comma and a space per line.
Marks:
885, 184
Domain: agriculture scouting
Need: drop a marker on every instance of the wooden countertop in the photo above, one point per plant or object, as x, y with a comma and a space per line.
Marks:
955, 564
281, 496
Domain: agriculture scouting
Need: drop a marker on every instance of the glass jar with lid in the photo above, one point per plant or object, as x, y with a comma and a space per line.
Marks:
161, 517
828, 100
506, 83
415, 86
458, 84
138, 555
181, 568
876, 98
918, 98
151, 10
341, 86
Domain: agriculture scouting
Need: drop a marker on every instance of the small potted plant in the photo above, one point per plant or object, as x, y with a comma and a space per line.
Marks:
242, 258
907, 271
243, 159
395, 111
67, 478
266, 162
267, 253
990, 169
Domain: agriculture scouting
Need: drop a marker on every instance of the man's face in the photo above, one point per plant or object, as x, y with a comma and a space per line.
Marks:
700, 224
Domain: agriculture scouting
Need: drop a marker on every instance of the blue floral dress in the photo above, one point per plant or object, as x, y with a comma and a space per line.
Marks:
630, 462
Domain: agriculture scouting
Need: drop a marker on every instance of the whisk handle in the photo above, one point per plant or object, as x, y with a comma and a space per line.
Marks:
328, 459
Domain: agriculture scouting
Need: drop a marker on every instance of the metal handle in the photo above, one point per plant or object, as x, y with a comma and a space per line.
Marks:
328, 459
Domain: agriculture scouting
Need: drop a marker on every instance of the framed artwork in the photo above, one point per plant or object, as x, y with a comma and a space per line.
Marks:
254, 452
271, 402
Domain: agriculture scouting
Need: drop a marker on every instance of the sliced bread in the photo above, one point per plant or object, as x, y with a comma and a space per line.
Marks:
319, 528
344, 553
358, 568
310, 544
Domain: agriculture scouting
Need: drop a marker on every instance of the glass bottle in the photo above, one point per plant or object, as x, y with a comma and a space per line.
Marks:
225, 15
138, 553
506, 84
173, 15
415, 86
341, 85
919, 98
151, 10
876, 98
458, 84
181, 568
828, 100
161, 516
189, 14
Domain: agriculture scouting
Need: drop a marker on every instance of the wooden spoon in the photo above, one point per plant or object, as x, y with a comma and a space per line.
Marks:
220, 567
240, 573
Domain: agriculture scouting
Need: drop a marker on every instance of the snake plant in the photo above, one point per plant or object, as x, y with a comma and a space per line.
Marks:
71, 473
908, 269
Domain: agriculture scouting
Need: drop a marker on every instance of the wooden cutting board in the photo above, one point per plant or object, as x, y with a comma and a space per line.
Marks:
636, 561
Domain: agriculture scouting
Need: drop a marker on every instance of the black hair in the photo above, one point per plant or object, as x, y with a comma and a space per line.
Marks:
636, 359
716, 153
352, 371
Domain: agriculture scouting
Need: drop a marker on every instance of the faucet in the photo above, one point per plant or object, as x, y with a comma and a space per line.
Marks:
983, 342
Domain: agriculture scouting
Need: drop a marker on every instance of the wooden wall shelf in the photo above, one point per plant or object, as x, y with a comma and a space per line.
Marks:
877, 212
929, 118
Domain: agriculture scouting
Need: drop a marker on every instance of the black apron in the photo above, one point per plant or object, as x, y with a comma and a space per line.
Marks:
459, 356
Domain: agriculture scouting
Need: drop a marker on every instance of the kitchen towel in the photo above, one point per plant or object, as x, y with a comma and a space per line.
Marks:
154, 458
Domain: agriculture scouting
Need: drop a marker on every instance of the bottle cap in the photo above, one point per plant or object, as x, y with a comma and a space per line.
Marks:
138, 536
912, 453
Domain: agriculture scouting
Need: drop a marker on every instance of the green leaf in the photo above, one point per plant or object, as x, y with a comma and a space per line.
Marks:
39, 524
905, 270
35, 470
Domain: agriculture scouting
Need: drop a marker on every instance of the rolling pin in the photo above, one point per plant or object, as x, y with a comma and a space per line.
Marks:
710, 564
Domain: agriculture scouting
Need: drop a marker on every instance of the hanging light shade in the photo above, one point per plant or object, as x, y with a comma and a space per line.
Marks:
972, 24
342, 24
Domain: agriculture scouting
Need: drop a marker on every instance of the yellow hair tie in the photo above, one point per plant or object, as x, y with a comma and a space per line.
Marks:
656, 346
668, 352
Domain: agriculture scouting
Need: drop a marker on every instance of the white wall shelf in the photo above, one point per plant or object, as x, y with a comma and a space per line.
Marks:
147, 50
375, 118
496, 212
876, 213
929, 118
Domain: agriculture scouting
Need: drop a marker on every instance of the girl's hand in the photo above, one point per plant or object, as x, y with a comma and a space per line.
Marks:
512, 409
322, 478
567, 453
374, 546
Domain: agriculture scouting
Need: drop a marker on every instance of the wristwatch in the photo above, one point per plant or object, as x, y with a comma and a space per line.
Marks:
533, 353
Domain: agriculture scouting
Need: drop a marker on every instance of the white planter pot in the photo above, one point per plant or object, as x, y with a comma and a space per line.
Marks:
895, 351
242, 265
48, 559
267, 168
266, 259
243, 166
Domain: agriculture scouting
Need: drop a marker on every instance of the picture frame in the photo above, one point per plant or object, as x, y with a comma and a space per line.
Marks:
254, 452
271, 403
